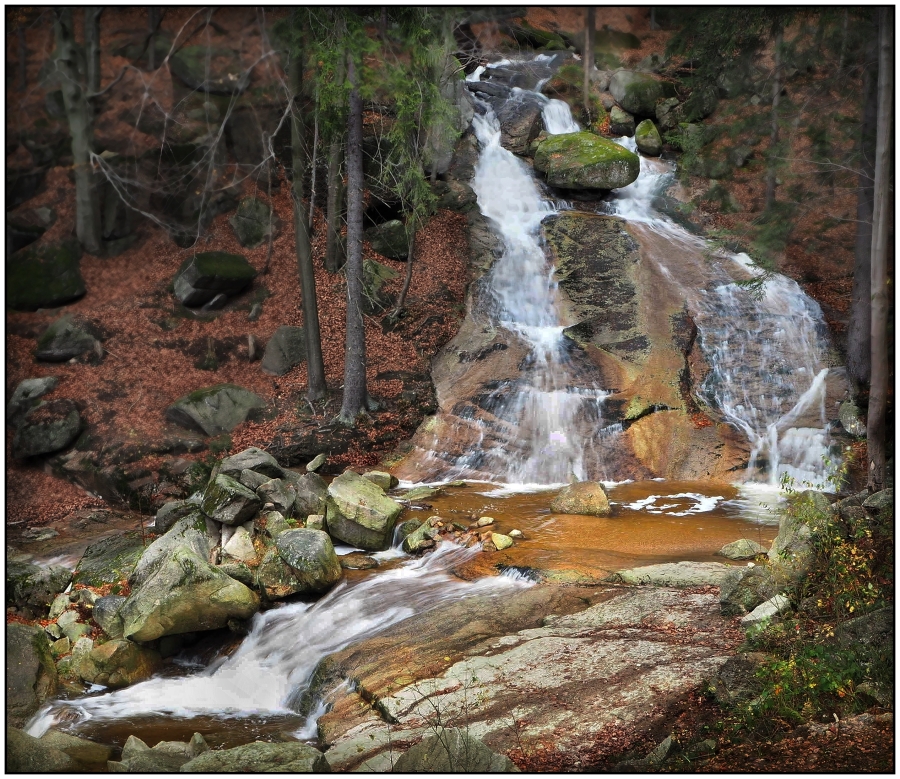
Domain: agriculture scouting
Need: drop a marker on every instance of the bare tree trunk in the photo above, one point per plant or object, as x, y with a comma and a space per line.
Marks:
588, 59
334, 208
312, 185
859, 327
92, 46
771, 176
81, 128
401, 301
306, 273
355, 395
876, 429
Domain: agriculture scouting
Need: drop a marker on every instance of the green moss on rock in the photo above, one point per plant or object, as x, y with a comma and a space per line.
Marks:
44, 276
585, 161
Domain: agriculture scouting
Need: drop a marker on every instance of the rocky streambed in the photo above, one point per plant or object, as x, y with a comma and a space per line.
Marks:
554, 665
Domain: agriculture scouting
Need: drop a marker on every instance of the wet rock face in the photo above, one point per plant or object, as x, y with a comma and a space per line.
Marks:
616, 654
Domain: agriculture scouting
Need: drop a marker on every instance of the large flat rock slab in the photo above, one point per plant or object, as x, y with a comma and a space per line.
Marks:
561, 687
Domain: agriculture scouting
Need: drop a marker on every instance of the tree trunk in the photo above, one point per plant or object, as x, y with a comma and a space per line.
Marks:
876, 430
81, 129
401, 301
355, 356
334, 207
859, 327
314, 165
92, 46
588, 59
771, 176
305, 271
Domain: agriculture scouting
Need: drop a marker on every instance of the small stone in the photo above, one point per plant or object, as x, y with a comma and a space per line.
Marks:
484, 521
53, 630
317, 462
501, 541
516, 534
315, 522
59, 605
61, 647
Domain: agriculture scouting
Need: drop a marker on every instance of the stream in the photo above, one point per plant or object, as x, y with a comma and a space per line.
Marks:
769, 370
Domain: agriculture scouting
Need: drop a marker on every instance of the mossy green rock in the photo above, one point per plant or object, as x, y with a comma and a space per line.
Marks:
205, 275
358, 512
648, 139
215, 410
31, 676
260, 757
252, 222
47, 428
620, 122
117, 663
28, 755
585, 161
44, 276
185, 594
109, 560
63, 340
228, 501
311, 555
638, 93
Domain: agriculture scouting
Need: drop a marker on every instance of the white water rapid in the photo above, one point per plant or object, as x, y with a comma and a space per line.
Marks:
767, 349
271, 669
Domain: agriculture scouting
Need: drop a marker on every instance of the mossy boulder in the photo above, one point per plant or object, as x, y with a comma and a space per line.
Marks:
253, 222
252, 459
648, 139
358, 512
311, 556
620, 122
44, 276
638, 93
31, 676
109, 560
215, 410
48, 427
228, 501
208, 274
389, 239
29, 755
185, 594
260, 757
32, 588
453, 750
64, 339
585, 161
117, 663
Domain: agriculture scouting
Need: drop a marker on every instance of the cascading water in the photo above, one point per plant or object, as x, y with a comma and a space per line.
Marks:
767, 349
553, 416
271, 670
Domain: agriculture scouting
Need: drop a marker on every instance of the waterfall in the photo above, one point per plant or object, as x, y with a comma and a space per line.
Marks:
272, 668
767, 350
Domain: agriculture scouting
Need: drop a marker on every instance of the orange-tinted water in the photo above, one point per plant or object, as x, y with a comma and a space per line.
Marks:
631, 536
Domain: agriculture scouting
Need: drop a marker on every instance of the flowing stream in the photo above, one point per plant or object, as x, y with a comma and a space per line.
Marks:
270, 672
768, 378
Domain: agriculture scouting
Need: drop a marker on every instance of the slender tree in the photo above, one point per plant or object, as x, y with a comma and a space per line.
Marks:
876, 430
70, 62
355, 393
334, 206
588, 57
92, 46
305, 271
859, 326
